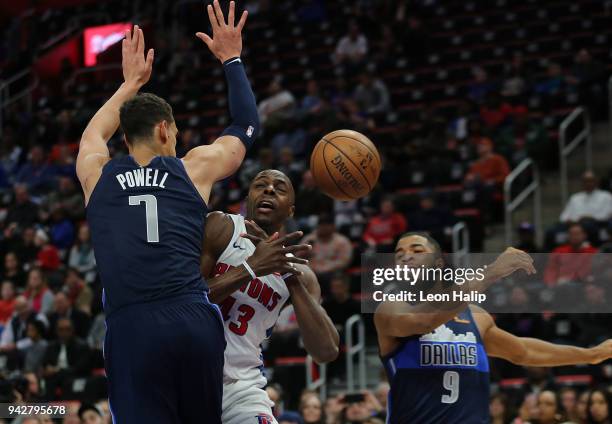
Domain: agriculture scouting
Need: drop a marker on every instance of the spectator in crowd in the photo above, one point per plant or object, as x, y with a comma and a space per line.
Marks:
34, 350
23, 212
481, 86
311, 408
588, 76
331, 251
13, 270
528, 410
264, 160
278, 106
340, 306
550, 408
310, 202
352, 48
490, 168
553, 83
37, 292
563, 267
494, 113
275, 393
69, 197
48, 257
7, 301
382, 229
62, 228
62, 309
81, 256
290, 135
499, 409
372, 95
95, 340
568, 398
289, 166
312, 102
526, 236
90, 414
382, 393
599, 406
361, 410
431, 218
524, 138
290, 417
582, 407
78, 292
590, 203
16, 330
65, 358
36, 174
26, 250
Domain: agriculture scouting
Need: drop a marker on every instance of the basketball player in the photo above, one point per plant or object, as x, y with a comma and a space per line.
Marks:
250, 291
436, 358
164, 342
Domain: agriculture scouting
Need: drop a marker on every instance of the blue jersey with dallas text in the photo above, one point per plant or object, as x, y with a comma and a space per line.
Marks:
147, 225
440, 377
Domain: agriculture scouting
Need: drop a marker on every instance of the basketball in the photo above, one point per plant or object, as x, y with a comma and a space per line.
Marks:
345, 165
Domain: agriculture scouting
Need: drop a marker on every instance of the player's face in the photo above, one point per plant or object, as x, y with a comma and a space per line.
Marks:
415, 251
91, 417
270, 198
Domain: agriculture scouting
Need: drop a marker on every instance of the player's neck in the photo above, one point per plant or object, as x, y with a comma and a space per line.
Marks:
143, 154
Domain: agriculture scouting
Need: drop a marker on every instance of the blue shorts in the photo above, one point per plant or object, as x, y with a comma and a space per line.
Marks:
164, 362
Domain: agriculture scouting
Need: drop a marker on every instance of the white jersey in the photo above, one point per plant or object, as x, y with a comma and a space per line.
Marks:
250, 313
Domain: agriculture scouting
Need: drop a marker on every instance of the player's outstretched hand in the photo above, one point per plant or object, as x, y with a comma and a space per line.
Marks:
601, 352
226, 41
510, 261
136, 68
272, 255
257, 233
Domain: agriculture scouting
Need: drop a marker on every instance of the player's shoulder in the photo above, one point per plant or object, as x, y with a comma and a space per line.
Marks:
219, 228
484, 321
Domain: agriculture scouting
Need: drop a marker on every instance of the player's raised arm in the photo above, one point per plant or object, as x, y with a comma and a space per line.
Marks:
93, 152
208, 164
528, 351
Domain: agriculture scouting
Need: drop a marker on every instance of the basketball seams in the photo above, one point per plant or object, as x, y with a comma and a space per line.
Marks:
374, 152
331, 176
351, 161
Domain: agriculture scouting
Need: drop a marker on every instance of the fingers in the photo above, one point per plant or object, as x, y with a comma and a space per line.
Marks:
149, 60
219, 13
296, 260
242, 21
297, 248
211, 16
135, 39
230, 16
251, 237
141, 42
292, 236
204, 37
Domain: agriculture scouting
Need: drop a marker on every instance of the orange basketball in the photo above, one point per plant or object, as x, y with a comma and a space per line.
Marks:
345, 165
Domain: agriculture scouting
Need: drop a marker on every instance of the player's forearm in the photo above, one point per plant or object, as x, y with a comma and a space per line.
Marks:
225, 284
545, 354
242, 105
319, 334
106, 121
425, 317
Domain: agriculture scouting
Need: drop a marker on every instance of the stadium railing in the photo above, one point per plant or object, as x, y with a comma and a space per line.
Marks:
512, 204
566, 147
358, 349
461, 243
316, 380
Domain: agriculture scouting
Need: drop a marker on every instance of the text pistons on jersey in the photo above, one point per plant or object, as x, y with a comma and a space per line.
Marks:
142, 177
255, 289
445, 354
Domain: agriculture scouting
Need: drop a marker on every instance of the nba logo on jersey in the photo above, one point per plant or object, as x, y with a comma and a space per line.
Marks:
250, 130
264, 419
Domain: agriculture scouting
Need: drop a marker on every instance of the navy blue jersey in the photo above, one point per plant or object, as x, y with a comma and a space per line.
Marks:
440, 377
147, 225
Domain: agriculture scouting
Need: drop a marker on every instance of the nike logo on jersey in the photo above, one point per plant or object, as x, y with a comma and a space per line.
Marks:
237, 246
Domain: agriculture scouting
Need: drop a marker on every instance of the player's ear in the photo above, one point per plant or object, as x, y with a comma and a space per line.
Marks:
163, 131
291, 211
439, 263
127, 145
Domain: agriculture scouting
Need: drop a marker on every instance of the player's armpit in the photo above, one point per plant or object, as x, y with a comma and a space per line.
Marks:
217, 235
91, 159
208, 164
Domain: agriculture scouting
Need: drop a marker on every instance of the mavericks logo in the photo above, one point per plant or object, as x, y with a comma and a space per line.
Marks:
443, 347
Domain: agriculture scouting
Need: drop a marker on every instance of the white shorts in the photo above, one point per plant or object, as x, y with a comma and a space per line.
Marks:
245, 403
